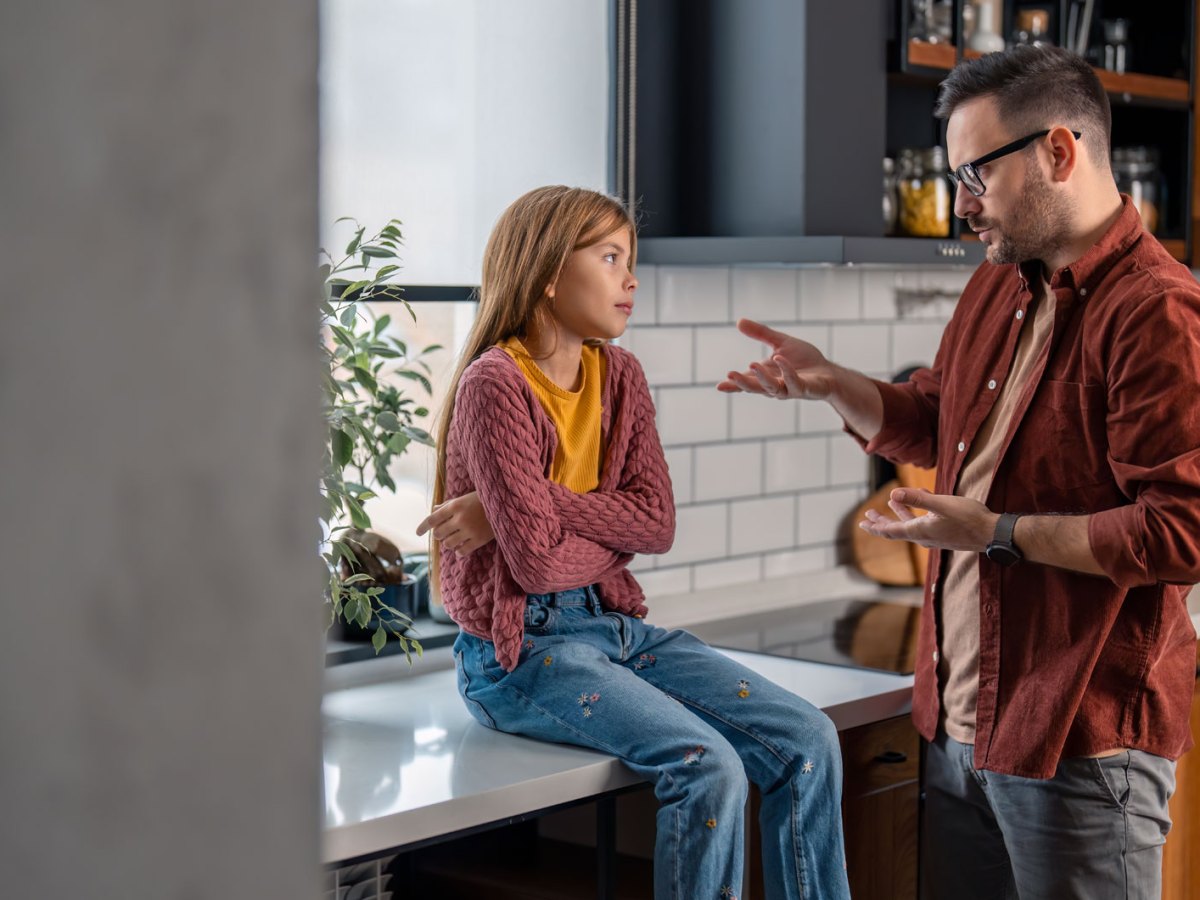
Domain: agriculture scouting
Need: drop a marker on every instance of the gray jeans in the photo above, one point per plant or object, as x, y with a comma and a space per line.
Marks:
1092, 832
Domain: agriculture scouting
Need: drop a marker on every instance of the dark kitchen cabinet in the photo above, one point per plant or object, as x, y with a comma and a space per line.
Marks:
753, 132
1153, 101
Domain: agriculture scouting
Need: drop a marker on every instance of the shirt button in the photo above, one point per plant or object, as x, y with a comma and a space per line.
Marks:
935, 656
961, 446
992, 384
1020, 313
1083, 292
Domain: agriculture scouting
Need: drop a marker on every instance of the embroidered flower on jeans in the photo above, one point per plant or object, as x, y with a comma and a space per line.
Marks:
692, 757
645, 661
727, 893
807, 768
547, 660
587, 712
529, 645
743, 688
711, 823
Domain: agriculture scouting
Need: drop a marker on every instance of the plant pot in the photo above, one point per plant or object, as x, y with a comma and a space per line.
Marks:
410, 598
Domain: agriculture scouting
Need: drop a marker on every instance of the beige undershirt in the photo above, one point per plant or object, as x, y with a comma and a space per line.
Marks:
958, 660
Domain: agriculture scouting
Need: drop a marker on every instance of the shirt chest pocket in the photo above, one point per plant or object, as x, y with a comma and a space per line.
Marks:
1061, 441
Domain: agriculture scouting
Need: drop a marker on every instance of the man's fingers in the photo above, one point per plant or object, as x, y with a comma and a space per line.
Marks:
903, 513
920, 499
761, 332
768, 380
744, 381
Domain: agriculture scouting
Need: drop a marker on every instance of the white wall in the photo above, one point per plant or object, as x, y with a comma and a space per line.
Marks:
160, 654
764, 487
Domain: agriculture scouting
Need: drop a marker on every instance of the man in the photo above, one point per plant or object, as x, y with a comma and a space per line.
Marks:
1056, 656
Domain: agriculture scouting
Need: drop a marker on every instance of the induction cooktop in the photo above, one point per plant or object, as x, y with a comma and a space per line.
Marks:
861, 633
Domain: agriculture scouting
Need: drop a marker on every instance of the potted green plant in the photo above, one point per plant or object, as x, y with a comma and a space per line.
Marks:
370, 420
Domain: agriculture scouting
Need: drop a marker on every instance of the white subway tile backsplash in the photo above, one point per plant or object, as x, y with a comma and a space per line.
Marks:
693, 294
720, 349
665, 353
829, 294
915, 343
758, 525
796, 464
879, 287
946, 280
727, 572
701, 535
823, 515
764, 294
729, 470
665, 582
848, 464
863, 347
679, 464
692, 415
818, 416
757, 416
645, 298
794, 562
642, 563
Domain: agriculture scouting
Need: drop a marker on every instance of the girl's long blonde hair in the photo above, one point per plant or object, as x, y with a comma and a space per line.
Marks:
526, 253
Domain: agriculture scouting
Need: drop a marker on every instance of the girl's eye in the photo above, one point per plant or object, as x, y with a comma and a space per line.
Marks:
611, 257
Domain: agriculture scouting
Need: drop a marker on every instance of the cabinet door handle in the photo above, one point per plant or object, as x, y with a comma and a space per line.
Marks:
891, 757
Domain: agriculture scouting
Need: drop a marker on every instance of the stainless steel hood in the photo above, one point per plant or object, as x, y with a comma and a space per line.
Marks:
818, 250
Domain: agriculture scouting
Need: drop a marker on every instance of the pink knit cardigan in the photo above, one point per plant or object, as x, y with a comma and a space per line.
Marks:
548, 538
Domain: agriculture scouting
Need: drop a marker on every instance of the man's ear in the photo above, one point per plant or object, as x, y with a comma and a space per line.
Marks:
1064, 153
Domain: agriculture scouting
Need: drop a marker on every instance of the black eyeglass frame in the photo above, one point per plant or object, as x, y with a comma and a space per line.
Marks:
966, 173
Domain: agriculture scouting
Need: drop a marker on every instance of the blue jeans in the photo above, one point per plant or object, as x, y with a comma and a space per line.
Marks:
691, 721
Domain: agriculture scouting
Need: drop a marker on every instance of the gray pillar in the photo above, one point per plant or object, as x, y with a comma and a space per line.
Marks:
160, 655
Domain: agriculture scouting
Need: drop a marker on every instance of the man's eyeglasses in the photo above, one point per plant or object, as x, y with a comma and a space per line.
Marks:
968, 174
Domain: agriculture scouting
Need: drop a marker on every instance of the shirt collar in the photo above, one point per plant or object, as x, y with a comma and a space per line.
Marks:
1091, 268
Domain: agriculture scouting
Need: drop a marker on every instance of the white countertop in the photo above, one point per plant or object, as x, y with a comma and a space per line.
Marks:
405, 762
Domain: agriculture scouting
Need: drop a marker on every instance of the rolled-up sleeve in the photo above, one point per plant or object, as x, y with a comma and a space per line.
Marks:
1153, 424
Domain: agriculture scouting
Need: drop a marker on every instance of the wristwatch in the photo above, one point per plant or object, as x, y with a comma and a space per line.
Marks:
1002, 550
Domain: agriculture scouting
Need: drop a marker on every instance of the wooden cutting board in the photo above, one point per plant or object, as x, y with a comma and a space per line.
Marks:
882, 560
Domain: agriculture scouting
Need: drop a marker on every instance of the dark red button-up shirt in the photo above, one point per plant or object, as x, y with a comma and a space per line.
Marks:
1108, 426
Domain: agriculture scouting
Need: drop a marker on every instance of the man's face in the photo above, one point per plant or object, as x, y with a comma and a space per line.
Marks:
1020, 215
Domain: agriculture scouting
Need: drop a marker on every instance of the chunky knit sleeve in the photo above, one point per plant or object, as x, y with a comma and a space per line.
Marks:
633, 509
499, 444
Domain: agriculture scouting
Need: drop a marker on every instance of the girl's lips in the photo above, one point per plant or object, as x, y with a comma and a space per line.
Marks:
626, 308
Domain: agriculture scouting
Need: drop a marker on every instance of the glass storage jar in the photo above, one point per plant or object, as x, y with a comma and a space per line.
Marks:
889, 196
1136, 172
924, 193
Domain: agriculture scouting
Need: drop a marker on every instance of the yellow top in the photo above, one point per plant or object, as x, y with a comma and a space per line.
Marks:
575, 414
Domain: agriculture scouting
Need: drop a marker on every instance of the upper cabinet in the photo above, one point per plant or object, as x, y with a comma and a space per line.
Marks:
1142, 52
803, 130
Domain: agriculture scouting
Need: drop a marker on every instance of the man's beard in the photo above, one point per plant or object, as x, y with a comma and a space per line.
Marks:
1038, 226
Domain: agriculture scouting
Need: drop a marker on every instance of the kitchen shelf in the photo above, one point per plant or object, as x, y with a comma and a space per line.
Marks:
1125, 86
931, 56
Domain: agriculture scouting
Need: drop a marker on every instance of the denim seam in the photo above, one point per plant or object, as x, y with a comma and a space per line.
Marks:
801, 863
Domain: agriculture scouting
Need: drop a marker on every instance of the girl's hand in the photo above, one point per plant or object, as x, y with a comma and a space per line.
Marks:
460, 524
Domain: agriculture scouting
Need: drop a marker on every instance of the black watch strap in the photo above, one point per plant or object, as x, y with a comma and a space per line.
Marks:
1002, 550
1006, 526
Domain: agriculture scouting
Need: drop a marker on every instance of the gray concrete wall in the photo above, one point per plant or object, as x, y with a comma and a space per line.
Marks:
160, 639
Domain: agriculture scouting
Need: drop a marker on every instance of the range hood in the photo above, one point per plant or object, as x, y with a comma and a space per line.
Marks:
753, 131
817, 250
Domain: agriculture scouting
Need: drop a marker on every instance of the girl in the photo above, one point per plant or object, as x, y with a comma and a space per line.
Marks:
548, 445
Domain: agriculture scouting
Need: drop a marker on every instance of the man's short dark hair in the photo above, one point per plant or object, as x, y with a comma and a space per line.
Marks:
1035, 88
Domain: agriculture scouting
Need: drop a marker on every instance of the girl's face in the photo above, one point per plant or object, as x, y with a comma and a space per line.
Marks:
593, 297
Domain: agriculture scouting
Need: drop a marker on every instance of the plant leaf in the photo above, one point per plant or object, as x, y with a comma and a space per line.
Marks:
387, 421
378, 639
343, 447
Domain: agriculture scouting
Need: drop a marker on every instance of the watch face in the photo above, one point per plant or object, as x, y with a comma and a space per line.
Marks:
1004, 554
